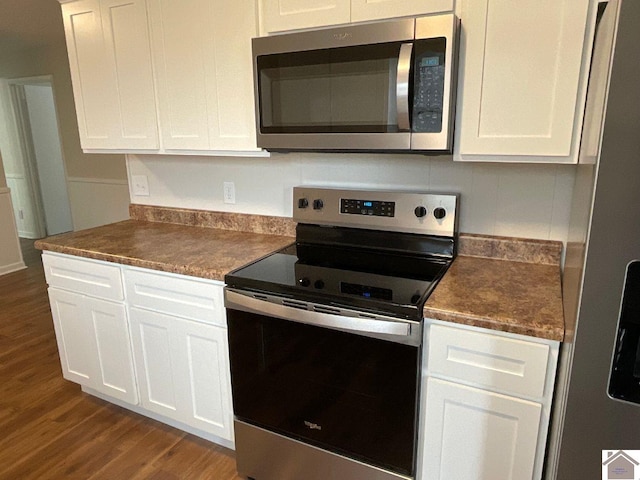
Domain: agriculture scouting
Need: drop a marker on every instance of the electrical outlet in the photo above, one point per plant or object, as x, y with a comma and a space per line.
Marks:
140, 185
229, 192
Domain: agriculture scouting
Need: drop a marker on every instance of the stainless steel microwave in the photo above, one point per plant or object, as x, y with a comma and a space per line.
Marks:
386, 86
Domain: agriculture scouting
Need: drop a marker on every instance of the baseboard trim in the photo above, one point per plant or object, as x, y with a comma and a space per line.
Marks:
13, 267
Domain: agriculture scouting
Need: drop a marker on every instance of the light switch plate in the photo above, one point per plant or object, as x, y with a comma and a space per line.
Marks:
140, 185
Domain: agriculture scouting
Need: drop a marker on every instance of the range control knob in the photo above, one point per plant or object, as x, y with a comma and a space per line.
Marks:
304, 282
439, 213
420, 212
318, 204
319, 284
303, 203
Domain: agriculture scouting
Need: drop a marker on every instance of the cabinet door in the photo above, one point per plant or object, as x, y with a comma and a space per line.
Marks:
520, 65
74, 334
126, 35
115, 376
155, 361
183, 370
280, 15
110, 63
362, 10
203, 360
94, 343
91, 76
471, 434
202, 52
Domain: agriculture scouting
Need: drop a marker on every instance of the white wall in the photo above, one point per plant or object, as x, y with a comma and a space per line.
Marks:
530, 201
96, 201
10, 253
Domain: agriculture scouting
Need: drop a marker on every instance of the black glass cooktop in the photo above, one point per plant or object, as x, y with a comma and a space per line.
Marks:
382, 282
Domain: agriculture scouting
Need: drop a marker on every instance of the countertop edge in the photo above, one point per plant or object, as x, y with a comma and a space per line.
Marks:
501, 325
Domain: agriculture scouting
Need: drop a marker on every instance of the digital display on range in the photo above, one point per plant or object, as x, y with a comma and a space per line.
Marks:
374, 208
366, 291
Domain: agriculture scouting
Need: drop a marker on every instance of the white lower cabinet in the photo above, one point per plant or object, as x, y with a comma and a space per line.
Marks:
474, 434
110, 318
93, 341
485, 403
183, 370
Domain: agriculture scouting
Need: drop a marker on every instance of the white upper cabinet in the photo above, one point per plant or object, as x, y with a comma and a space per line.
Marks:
522, 79
110, 63
282, 15
179, 67
202, 53
363, 10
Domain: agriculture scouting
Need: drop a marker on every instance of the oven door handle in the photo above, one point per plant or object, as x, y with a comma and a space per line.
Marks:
245, 303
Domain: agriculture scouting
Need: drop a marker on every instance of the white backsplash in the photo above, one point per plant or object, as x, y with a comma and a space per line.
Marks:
520, 200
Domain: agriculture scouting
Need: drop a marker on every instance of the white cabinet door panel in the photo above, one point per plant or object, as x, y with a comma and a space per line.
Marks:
204, 72
363, 10
126, 35
472, 434
110, 62
155, 361
74, 334
183, 370
181, 37
203, 349
94, 343
113, 348
280, 15
230, 79
93, 85
519, 76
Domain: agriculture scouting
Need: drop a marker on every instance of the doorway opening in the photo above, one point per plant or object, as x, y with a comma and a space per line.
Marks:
35, 168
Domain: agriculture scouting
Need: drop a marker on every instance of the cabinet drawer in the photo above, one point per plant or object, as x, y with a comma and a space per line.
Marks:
492, 361
90, 277
172, 294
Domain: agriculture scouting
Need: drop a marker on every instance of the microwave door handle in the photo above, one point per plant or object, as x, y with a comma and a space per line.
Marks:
402, 86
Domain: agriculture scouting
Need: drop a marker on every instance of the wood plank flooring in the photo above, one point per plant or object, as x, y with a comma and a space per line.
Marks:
50, 429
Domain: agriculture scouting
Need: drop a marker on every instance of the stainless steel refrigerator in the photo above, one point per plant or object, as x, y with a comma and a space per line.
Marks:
601, 282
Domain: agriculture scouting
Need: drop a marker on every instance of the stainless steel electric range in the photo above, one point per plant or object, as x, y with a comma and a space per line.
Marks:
325, 336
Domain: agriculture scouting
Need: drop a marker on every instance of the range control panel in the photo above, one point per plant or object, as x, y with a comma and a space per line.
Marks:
412, 212
376, 208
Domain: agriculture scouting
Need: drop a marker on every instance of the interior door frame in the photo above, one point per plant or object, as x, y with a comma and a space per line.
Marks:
25, 141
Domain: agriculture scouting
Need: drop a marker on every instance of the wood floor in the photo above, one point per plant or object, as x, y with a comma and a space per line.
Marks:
50, 429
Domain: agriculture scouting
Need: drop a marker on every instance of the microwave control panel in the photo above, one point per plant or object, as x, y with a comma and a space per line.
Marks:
428, 95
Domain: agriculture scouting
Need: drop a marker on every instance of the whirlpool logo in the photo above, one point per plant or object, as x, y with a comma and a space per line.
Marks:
312, 426
342, 36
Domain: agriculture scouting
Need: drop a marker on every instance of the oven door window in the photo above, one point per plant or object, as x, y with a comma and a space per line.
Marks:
340, 90
349, 394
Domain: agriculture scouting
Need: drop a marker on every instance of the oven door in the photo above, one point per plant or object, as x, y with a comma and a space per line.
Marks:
345, 384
